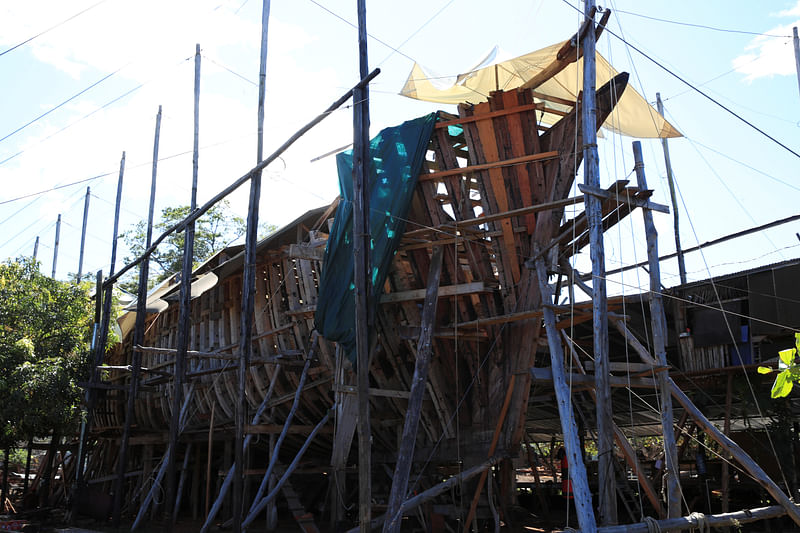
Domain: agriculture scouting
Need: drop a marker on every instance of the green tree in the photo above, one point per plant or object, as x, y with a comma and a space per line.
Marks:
215, 230
44, 344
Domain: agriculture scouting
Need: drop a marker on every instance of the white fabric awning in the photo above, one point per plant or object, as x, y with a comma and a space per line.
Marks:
633, 116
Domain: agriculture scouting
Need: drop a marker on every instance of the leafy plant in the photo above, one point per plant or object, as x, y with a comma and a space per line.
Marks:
789, 370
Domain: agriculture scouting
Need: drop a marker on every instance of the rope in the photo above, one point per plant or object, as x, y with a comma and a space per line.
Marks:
652, 525
702, 522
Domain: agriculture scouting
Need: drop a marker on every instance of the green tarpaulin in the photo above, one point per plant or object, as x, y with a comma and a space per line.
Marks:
397, 155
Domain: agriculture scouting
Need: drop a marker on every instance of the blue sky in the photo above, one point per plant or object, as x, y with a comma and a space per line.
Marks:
729, 176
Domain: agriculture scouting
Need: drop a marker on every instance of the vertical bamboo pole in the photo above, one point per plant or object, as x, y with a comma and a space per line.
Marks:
208, 460
591, 177
83, 234
36, 248
405, 455
138, 337
673, 198
361, 264
55, 246
726, 429
248, 285
185, 304
659, 326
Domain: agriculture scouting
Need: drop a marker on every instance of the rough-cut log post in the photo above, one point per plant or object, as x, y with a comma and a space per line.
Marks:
594, 214
55, 246
577, 470
223, 490
83, 234
405, 455
726, 428
659, 325
208, 460
291, 468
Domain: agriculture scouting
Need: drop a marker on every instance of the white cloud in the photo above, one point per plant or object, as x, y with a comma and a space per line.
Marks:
767, 56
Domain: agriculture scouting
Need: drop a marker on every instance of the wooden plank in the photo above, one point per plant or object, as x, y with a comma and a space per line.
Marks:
544, 375
623, 198
385, 393
270, 429
499, 113
492, 166
445, 291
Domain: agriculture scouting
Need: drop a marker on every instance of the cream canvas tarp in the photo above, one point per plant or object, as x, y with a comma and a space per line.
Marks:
633, 116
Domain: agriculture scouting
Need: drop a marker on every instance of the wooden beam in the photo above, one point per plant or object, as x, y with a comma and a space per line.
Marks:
448, 290
623, 198
544, 156
700, 522
522, 211
405, 454
545, 375
350, 389
270, 429
500, 113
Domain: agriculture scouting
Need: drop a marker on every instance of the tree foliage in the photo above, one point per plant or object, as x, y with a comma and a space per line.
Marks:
44, 343
215, 230
212, 232
789, 370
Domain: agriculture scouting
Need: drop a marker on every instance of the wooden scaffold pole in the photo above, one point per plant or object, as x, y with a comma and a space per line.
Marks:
659, 328
55, 246
594, 214
184, 313
83, 234
577, 470
100, 335
138, 338
361, 240
405, 455
248, 288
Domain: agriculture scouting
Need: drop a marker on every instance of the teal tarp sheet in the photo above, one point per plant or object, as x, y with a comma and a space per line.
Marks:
397, 155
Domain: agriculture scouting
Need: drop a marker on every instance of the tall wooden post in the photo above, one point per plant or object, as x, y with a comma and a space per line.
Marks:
796, 54
577, 470
83, 234
248, 286
103, 315
405, 456
673, 197
36, 248
138, 337
591, 177
55, 246
659, 326
185, 305
361, 240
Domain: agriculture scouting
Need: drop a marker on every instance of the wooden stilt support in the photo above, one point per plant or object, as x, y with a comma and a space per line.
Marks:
481, 480
424, 496
182, 481
163, 468
659, 327
405, 455
622, 442
274, 458
223, 491
577, 470
291, 468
